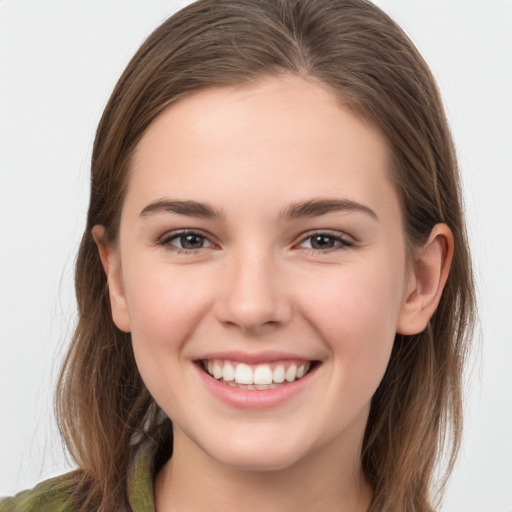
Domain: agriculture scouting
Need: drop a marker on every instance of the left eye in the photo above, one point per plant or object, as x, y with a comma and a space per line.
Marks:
324, 242
187, 241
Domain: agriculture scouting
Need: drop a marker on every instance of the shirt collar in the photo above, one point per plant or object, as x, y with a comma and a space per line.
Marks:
144, 464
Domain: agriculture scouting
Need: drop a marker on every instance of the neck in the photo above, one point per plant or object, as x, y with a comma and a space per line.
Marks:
331, 479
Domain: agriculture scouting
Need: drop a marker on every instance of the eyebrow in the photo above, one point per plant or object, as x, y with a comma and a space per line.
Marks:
297, 210
317, 207
189, 208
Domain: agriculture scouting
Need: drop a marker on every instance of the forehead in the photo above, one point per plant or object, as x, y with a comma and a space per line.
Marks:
284, 138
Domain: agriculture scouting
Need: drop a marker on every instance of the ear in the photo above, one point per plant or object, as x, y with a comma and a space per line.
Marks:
110, 260
426, 281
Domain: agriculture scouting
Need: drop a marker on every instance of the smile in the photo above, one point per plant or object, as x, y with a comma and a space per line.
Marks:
256, 377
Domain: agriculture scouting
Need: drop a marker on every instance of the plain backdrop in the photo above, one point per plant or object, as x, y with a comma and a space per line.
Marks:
59, 60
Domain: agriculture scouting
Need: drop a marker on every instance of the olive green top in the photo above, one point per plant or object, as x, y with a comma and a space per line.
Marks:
54, 495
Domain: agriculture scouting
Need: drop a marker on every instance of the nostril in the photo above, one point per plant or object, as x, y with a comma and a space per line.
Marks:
253, 301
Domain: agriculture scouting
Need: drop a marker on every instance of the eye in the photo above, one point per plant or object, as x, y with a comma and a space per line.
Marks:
185, 241
325, 242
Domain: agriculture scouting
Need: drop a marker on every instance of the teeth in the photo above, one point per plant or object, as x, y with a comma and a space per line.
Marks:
262, 375
278, 375
228, 372
217, 370
291, 373
301, 371
259, 377
243, 374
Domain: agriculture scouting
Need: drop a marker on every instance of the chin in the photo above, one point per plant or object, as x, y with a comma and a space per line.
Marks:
259, 462
247, 454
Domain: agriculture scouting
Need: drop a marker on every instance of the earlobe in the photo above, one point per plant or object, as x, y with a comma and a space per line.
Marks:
112, 266
427, 279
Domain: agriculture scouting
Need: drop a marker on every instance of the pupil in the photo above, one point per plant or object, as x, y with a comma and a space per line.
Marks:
191, 242
322, 242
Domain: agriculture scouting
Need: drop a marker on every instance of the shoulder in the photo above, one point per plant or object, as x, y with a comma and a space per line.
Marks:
53, 495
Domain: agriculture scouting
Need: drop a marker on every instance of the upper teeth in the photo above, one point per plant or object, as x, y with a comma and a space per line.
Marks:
260, 374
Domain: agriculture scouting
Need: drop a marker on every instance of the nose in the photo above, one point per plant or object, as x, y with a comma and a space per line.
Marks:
253, 295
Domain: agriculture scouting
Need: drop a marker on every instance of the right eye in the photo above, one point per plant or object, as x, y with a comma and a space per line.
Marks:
185, 241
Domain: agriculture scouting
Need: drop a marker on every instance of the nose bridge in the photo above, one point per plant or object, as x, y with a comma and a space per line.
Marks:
254, 295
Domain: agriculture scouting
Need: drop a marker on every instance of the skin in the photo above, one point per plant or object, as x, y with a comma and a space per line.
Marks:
257, 282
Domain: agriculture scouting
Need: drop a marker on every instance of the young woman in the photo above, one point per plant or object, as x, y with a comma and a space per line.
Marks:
274, 285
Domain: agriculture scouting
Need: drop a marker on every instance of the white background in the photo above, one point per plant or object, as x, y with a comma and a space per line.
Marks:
59, 60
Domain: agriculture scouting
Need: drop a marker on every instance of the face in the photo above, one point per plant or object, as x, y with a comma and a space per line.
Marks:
261, 270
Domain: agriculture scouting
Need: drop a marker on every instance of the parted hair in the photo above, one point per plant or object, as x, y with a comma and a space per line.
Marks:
103, 407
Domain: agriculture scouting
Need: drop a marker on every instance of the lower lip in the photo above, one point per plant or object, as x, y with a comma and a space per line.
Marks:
251, 398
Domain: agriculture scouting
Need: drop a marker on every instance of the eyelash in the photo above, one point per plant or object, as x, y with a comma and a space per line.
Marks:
340, 242
167, 239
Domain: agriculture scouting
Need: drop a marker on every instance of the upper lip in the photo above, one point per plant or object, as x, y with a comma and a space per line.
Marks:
254, 358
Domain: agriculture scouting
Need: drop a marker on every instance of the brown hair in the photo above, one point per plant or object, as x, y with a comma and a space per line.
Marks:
102, 404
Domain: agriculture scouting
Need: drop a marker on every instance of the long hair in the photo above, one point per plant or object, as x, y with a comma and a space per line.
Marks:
103, 407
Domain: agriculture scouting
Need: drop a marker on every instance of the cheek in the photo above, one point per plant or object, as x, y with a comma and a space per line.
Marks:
165, 308
356, 313
165, 305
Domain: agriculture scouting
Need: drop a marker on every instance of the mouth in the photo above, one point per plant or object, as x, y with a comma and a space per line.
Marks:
259, 377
